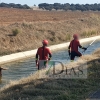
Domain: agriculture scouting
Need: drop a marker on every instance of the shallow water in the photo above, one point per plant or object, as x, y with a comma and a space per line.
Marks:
24, 68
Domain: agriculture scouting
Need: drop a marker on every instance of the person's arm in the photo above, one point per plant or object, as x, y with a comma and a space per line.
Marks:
50, 54
82, 47
69, 49
36, 59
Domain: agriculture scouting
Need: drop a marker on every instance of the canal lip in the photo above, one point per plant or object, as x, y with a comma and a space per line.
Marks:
31, 53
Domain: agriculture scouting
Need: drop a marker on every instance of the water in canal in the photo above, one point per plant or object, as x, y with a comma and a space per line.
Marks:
24, 68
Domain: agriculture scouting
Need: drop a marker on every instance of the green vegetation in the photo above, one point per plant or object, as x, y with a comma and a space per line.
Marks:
12, 5
15, 32
73, 7
68, 37
89, 33
27, 25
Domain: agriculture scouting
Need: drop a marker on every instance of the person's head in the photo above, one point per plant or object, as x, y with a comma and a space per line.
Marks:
76, 36
45, 43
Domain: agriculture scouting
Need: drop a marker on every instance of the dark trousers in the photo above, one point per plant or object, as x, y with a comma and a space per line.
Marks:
75, 54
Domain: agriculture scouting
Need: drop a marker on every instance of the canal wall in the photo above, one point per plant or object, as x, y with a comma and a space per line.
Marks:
28, 54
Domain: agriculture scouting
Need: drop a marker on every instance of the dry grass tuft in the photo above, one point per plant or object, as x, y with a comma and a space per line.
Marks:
97, 52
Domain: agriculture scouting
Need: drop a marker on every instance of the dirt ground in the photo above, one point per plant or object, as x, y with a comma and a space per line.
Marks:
9, 16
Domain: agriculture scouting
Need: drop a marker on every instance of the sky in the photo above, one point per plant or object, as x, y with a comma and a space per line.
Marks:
32, 2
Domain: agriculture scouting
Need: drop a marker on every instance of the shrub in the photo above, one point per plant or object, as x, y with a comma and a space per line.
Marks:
12, 5
27, 25
88, 33
68, 37
15, 32
93, 32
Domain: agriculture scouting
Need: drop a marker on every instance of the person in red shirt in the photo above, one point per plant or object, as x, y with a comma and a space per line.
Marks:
73, 47
43, 55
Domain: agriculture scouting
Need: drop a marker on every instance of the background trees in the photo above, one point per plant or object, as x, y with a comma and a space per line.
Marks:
56, 6
12, 5
73, 7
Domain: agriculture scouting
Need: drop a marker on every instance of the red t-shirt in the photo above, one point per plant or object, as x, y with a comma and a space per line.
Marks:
74, 44
43, 53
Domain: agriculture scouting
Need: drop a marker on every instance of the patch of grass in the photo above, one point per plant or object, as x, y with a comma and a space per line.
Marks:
89, 33
15, 32
27, 25
97, 52
51, 32
68, 37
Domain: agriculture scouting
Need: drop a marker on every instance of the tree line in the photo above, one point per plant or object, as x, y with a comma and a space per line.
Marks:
67, 6
12, 5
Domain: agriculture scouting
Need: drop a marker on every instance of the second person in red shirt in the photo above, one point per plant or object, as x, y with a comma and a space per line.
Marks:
73, 47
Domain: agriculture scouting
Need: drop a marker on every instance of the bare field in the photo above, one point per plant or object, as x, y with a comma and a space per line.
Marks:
9, 16
34, 26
